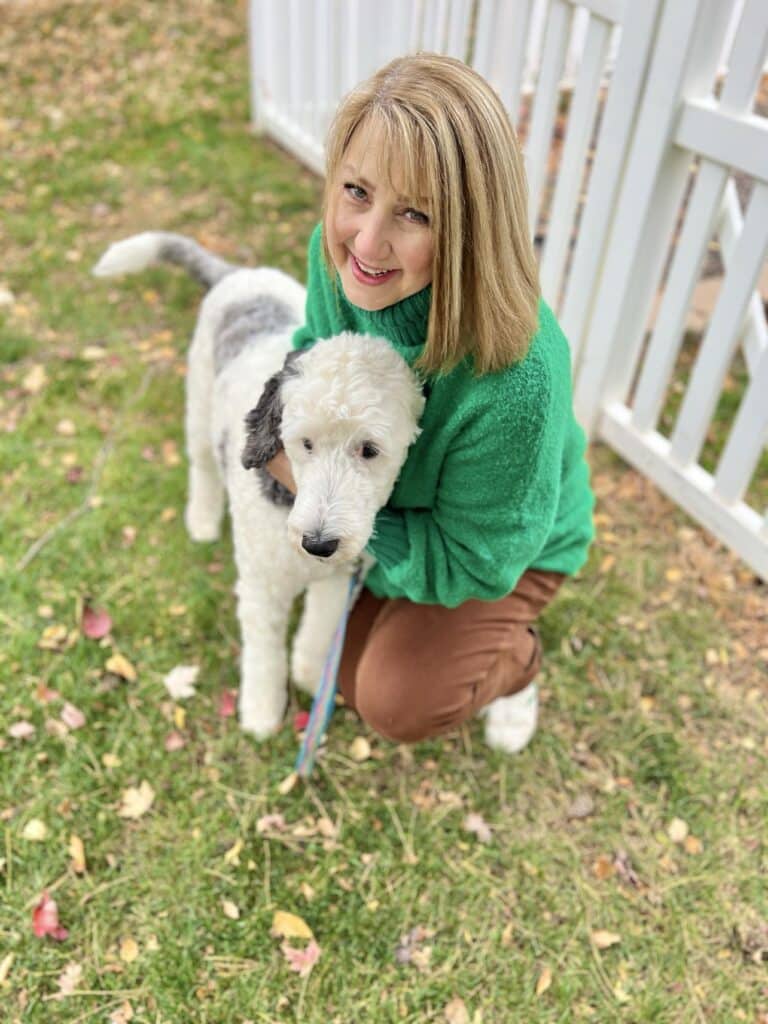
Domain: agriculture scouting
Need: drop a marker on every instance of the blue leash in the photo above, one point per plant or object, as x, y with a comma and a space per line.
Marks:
324, 699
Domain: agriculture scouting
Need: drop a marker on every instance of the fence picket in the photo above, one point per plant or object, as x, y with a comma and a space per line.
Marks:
581, 119
722, 334
747, 438
545, 105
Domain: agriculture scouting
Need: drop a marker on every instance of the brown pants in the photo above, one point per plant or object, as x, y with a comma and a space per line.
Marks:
418, 670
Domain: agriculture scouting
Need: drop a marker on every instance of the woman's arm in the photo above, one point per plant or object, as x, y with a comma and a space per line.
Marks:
280, 469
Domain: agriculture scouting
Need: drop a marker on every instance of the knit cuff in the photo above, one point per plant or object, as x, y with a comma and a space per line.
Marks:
389, 543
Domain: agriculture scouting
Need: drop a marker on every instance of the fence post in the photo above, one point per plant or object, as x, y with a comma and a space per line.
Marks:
684, 64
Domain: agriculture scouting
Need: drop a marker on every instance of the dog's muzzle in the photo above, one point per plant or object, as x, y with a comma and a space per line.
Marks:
315, 545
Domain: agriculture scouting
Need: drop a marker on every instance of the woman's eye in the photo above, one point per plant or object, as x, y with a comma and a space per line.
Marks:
368, 450
355, 192
307, 444
417, 217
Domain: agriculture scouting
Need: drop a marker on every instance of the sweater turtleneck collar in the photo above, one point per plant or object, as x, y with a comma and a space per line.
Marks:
404, 324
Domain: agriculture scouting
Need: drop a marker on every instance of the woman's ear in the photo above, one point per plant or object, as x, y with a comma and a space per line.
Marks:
262, 424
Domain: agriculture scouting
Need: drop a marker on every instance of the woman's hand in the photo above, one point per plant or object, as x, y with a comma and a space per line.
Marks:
280, 468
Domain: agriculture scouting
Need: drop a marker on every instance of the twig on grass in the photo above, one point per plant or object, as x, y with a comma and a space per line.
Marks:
98, 468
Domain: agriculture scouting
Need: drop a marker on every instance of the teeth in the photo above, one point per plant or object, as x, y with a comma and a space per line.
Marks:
370, 270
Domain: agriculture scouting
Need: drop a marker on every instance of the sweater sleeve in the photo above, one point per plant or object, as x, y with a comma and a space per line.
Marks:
493, 512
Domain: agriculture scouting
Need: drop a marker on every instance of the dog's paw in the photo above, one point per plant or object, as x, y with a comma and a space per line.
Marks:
201, 525
510, 722
260, 723
306, 670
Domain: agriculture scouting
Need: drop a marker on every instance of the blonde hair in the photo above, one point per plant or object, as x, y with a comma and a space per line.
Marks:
450, 138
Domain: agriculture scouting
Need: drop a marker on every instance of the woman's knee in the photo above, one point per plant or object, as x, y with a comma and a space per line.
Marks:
400, 709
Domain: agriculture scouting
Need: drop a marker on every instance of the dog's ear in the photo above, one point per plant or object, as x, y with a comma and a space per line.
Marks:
262, 424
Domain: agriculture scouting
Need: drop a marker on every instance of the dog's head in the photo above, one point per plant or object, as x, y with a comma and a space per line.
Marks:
346, 412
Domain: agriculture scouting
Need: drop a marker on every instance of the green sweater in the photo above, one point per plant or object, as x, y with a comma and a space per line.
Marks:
496, 482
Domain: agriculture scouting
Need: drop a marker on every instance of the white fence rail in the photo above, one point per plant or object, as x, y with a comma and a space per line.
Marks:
642, 109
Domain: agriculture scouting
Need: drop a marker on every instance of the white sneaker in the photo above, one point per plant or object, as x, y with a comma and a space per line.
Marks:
510, 722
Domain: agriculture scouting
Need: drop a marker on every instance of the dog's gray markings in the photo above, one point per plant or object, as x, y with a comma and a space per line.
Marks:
262, 433
221, 451
201, 264
246, 320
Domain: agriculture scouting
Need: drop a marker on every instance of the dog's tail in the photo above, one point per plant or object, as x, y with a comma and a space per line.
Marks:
139, 251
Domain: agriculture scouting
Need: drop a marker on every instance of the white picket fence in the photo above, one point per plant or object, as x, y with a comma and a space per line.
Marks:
644, 108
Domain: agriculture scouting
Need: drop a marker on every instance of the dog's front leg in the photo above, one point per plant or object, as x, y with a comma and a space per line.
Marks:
324, 604
263, 615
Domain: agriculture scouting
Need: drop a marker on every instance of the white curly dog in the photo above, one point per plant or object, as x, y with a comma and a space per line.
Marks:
346, 412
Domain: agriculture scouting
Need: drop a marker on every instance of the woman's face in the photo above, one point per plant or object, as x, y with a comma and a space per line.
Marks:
380, 240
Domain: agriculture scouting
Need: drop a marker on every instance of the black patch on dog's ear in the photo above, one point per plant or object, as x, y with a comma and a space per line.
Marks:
262, 424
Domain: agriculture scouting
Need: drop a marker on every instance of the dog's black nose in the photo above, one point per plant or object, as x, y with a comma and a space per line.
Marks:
315, 546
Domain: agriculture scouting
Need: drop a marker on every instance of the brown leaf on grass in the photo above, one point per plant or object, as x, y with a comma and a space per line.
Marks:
456, 1012
603, 868
95, 623
129, 950
290, 926
544, 981
119, 665
76, 850
603, 939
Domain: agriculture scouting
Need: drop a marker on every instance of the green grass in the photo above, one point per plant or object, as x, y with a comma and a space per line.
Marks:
654, 690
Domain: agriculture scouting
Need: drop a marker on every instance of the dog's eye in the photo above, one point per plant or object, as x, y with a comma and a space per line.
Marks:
368, 450
307, 444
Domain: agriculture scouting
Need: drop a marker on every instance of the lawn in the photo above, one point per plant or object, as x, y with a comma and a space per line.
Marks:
614, 871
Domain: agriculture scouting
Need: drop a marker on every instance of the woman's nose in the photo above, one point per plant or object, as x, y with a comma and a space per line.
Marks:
372, 241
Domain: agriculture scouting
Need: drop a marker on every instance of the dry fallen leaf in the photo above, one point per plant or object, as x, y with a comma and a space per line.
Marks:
34, 381
95, 622
301, 960
72, 717
456, 1012
77, 853
231, 910
129, 950
5, 967
21, 731
360, 749
35, 831
476, 824
290, 926
232, 856
603, 939
677, 830
118, 665
136, 800
70, 979
45, 919
180, 681
544, 981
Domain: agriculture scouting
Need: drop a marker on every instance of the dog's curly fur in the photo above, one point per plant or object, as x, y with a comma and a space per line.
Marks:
345, 411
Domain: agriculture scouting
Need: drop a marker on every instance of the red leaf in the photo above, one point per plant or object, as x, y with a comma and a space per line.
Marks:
300, 720
95, 623
227, 703
45, 919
